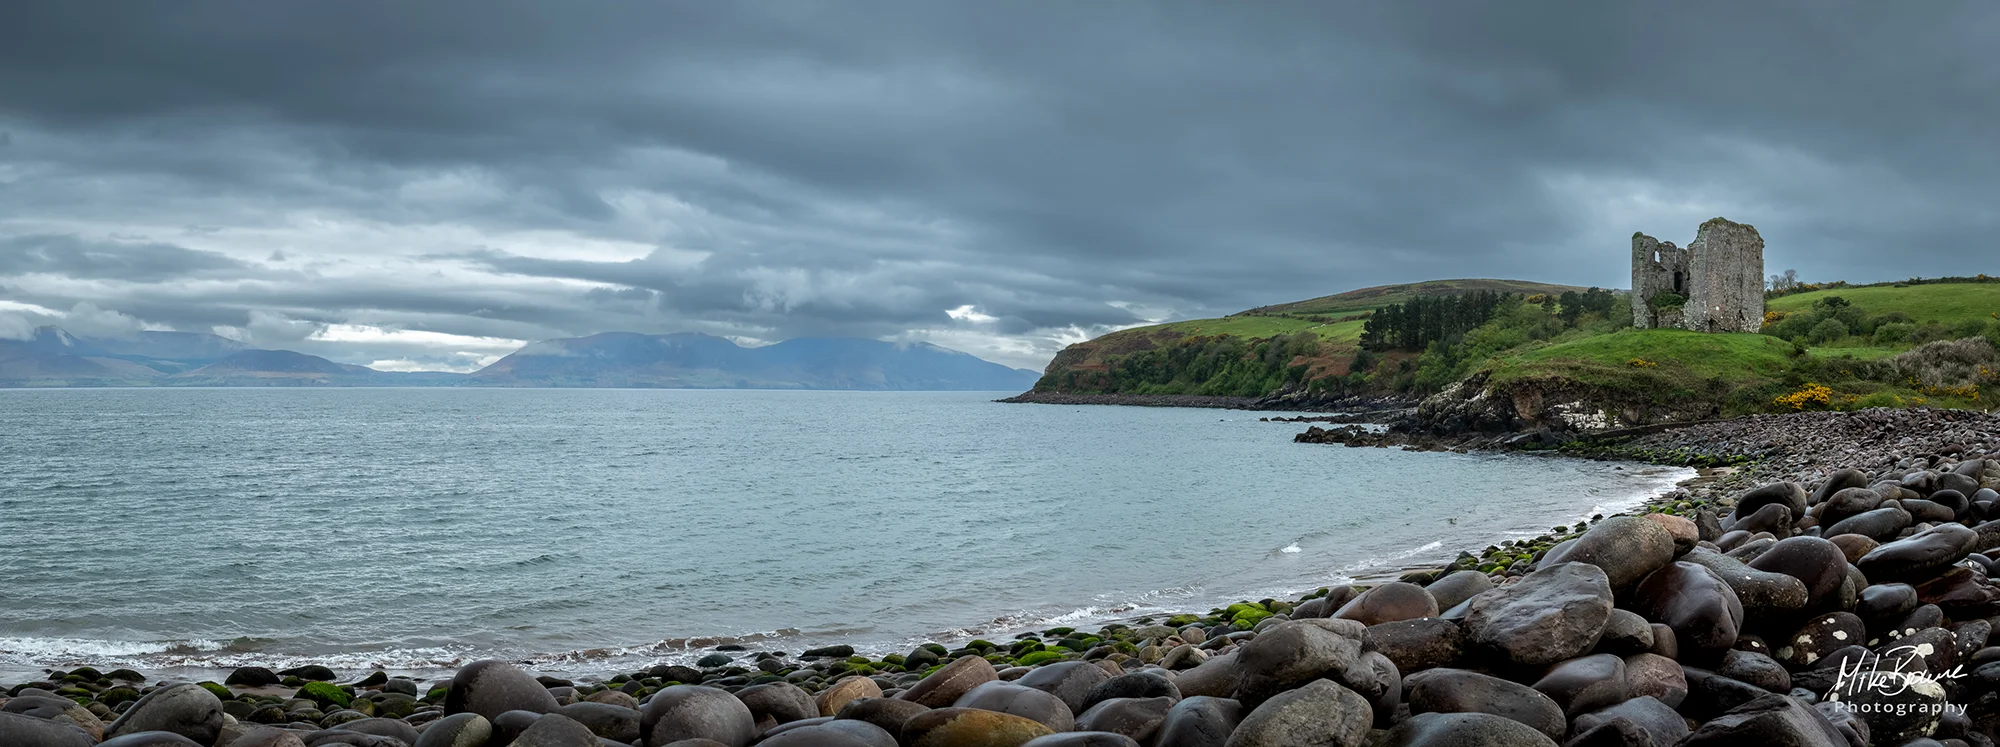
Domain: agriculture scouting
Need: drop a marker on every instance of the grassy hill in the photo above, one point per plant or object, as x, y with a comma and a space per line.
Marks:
1250, 353
1364, 300
1533, 362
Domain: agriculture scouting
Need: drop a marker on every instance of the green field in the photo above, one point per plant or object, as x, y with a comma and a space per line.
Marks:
1261, 327
1616, 359
1370, 299
1935, 302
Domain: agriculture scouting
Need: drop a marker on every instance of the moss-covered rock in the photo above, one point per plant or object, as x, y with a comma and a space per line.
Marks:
326, 694
1040, 657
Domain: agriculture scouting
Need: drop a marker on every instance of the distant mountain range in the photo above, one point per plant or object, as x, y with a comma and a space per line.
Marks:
55, 358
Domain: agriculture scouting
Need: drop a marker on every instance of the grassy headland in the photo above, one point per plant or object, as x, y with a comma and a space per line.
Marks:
1833, 346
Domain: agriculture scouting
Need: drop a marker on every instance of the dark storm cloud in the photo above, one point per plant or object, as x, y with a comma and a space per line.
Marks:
770, 170
135, 261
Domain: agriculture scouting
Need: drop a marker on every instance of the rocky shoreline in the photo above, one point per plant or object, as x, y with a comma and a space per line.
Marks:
1384, 406
1828, 586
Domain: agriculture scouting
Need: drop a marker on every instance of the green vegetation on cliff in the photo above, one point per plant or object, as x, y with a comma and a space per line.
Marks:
1834, 346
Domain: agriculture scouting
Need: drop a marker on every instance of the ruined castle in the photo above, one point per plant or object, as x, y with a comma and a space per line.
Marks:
1716, 284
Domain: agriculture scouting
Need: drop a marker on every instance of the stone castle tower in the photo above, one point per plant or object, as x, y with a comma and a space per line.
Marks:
1721, 276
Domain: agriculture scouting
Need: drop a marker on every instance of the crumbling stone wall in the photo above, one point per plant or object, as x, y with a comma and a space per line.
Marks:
1720, 275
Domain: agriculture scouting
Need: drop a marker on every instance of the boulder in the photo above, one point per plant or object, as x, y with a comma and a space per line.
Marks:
1138, 718
1660, 722
1293, 653
1463, 730
1920, 555
1701, 609
1462, 691
970, 727
1457, 587
188, 710
491, 687
1389, 602
1626, 548
1318, 714
29, 731
855, 687
1769, 720
944, 686
1550, 615
1585, 684
616, 723
693, 711
1655, 676
556, 730
888, 713
1199, 721
775, 703
1020, 700
457, 730
1817, 563
1416, 645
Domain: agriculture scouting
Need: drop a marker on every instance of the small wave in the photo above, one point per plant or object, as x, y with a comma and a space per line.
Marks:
1289, 549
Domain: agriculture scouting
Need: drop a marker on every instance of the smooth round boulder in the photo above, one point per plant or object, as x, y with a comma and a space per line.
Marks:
1291, 654
62, 710
1463, 730
1069, 680
1626, 632
1790, 495
1457, 587
1769, 720
1697, 604
1655, 676
1389, 602
1141, 684
268, 736
1823, 635
1881, 525
29, 731
1416, 645
944, 686
888, 713
1082, 739
148, 739
1763, 594
1585, 684
775, 703
1218, 677
1773, 519
1626, 548
828, 732
1550, 615
849, 689
490, 687
1200, 721
1462, 691
970, 727
1755, 668
457, 730
1817, 563
556, 730
696, 712
1020, 700
613, 722
188, 710
1138, 718
1920, 555
1318, 713
1659, 721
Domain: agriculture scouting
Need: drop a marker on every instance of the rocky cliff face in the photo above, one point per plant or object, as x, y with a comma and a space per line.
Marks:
1555, 405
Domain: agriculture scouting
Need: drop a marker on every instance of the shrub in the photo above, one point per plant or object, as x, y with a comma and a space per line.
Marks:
1894, 332
1826, 331
1811, 396
1948, 366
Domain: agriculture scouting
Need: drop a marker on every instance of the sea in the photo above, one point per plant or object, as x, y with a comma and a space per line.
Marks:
590, 531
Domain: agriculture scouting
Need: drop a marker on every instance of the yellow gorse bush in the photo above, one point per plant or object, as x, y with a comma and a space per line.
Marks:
1808, 396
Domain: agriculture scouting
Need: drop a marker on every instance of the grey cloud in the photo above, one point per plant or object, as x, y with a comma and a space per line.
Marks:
782, 169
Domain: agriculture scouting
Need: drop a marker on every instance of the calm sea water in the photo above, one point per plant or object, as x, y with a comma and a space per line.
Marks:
586, 530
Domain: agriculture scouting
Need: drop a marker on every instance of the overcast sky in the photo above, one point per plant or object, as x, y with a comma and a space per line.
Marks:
426, 185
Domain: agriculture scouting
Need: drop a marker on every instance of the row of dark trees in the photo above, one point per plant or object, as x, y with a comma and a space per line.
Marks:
1422, 320
1571, 305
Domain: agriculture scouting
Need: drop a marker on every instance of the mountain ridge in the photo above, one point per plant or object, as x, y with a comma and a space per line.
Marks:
52, 357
